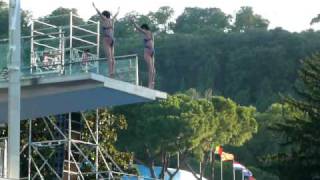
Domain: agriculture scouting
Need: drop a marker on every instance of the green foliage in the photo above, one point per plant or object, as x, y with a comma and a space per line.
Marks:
315, 19
302, 130
177, 121
247, 20
161, 18
184, 124
60, 17
109, 127
250, 67
265, 143
4, 19
198, 20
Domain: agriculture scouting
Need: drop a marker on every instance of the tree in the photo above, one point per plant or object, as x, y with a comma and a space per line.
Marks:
315, 20
4, 19
110, 125
302, 130
185, 125
259, 150
247, 20
158, 129
162, 17
60, 17
198, 20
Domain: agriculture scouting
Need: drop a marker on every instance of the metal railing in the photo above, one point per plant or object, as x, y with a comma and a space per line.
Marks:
126, 69
57, 50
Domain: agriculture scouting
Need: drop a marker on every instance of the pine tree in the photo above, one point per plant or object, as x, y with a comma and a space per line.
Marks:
301, 158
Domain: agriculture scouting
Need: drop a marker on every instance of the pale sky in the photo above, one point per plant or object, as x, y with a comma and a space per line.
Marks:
293, 15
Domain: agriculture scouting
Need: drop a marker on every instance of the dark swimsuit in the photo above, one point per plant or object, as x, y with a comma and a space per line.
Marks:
107, 33
148, 47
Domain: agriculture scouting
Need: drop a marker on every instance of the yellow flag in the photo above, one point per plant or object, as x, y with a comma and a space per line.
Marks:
227, 156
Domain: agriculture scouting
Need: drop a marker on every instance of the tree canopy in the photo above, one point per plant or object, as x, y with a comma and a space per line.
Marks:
183, 124
198, 20
301, 130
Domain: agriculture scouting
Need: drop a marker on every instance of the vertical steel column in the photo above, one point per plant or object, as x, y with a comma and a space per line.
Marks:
14, 91
29, 149
97, 143
69, 145
70, 42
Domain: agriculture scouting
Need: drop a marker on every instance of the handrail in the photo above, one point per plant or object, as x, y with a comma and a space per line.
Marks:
81, 18
85, 41
40, 22
119, 58
44, 45
44, 34
82, 29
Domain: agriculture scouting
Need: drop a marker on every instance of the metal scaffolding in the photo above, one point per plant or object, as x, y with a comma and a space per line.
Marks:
82, 153
53, 45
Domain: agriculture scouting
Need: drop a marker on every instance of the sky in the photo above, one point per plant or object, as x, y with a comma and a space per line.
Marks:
292, 15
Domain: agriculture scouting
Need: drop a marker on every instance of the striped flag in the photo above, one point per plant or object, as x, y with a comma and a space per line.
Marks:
238, 166
247, 173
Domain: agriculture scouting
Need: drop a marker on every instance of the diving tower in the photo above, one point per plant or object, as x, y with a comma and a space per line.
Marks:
57, 72
63, 75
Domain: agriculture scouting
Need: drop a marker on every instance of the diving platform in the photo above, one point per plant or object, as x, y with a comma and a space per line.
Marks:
43, 96
64, 71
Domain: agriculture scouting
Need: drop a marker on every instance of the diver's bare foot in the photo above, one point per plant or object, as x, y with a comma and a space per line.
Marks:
111, 75
151, 85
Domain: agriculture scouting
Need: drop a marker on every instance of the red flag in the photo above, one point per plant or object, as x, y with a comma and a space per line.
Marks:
218, 150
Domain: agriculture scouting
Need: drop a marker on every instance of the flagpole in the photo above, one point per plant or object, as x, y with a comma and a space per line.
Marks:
212, 164
233, 171
221, 168
200, 169
178, 160
242, 174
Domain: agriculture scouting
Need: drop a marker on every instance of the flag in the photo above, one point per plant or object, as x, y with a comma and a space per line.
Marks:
227, 156
247, 173
218, 150
238, 166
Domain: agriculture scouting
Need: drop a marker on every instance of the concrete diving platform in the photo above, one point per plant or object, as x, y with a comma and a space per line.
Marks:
51, 95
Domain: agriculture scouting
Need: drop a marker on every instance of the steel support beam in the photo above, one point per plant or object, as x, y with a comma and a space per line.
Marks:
14, 90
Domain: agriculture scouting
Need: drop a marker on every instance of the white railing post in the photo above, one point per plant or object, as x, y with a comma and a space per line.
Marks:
98, 45
137, 71
70, 42
32, 56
